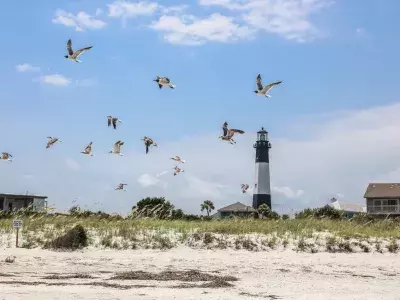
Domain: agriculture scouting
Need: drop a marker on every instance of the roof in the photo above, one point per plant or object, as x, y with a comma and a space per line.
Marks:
348, 206
236, 207
22, 196
383, 190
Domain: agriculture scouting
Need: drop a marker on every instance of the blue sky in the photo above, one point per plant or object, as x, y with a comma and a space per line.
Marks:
335, 58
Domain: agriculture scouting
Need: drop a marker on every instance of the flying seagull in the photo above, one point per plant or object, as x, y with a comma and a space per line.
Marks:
120, 186
73, 55
6, 156
51, 141
148, 142
244, 187
113, 120
178, 159
229, 133
164, 81
88, 150
117, 148
177, 170
262, 91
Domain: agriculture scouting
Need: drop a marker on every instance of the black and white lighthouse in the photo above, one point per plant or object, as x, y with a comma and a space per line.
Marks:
262, 187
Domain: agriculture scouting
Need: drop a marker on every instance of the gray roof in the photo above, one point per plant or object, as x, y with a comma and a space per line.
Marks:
237, 207
383, 190
21, 196
348, 206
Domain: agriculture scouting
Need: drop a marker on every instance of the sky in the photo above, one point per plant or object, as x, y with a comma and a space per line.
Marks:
333, 122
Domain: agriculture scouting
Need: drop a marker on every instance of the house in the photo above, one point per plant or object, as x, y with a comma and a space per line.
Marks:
383, 199
15, 202
348, 208
237, 209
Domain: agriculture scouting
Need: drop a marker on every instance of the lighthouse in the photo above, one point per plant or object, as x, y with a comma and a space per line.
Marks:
262, 187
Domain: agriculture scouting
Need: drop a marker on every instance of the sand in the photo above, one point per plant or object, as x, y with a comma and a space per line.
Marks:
261, 275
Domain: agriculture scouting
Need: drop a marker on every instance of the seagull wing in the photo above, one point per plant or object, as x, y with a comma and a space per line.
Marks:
69, 47
114, 122
147, 147
117, 146
259, 82
109, 121
231, 132
88, 148
270, 86
225, 128
80, 51
166, 79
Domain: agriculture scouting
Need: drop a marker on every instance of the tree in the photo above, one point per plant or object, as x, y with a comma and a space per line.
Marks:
149, 203
264, 210
208, 206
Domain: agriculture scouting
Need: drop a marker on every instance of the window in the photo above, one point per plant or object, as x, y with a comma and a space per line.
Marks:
386, 205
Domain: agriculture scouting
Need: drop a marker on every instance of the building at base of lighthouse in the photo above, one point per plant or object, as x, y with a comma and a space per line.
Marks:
262, 186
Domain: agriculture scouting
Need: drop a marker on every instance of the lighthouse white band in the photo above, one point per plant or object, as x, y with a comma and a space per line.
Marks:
263, 185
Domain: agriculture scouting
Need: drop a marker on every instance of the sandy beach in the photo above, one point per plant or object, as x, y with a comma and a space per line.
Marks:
88, 274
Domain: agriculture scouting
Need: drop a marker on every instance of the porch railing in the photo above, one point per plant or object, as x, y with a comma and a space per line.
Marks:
383, 209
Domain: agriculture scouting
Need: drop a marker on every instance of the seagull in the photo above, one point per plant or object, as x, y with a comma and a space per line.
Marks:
6, 156
148, 142
177, 170
262, 91
244, 187
117, 148
88, 150
120, 186
113, 120
52, 141
177, 158
228, 133
164, 81
74, 55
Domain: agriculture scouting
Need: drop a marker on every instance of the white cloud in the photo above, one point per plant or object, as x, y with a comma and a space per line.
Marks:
125, 9
147, 180
189, 30
72, 164
287, 191
55, 79
340, 155
99, 12
27, 68
287, 18
81, 21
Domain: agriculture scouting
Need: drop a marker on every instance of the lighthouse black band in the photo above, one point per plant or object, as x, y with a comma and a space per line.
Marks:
259, 199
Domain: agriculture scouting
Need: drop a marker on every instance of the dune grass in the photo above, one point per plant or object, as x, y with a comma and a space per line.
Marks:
127, 227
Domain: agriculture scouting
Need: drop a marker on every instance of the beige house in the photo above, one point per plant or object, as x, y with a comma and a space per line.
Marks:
16, 202
237, 209
383, 198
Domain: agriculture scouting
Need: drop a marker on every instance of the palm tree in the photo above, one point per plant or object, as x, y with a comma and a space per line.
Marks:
208, 206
